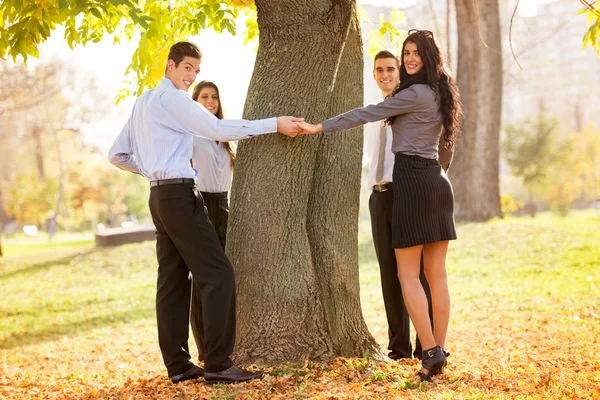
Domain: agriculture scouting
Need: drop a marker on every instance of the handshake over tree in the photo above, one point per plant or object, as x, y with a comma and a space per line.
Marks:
293, 126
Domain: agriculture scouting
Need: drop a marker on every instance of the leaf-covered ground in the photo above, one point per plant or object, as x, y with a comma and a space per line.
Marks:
78, 323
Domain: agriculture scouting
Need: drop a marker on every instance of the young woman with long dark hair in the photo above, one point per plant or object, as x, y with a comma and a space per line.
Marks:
423, 107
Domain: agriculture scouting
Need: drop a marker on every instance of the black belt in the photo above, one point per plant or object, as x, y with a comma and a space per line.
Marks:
173, 181
382, 188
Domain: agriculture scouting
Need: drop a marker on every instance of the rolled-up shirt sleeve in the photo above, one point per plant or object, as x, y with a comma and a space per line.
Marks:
403, 102
121, 152
196, 120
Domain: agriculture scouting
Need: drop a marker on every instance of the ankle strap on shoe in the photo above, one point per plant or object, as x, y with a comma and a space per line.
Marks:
433, 351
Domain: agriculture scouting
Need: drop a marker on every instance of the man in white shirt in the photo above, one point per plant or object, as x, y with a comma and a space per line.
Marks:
378, 145
156, 142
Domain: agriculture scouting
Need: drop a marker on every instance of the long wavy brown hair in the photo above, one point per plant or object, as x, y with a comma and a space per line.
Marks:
436, 74
201, 85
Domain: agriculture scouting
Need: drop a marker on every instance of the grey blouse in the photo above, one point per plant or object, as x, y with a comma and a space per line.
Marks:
416, 129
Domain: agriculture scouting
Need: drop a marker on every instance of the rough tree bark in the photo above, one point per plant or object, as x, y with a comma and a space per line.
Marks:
294, 203
475, 170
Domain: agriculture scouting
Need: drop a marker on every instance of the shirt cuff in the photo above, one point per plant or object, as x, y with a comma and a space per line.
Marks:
269, 125
328, 127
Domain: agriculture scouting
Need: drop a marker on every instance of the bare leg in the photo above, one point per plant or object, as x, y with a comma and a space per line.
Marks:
409, 264
434, 258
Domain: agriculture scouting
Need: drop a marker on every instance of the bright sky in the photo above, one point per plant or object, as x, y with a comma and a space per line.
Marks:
388, 3
106, 63
528, 7
231, 70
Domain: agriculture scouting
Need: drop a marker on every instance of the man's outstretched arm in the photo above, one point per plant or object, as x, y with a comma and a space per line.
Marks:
192, 118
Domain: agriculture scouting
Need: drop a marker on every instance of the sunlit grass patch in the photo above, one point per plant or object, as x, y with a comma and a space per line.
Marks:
79, 322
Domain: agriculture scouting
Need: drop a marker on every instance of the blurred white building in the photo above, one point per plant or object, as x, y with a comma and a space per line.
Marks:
547, 38
556, 69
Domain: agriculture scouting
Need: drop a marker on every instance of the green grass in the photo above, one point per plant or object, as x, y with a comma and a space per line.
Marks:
72, 290
533, 263
21, 245
79, 322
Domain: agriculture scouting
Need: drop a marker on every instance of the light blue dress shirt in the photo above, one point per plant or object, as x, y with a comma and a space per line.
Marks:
157, 140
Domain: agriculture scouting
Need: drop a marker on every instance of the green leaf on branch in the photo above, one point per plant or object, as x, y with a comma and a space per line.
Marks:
63, 5
592, 36
389, 33
96, 13
144, 21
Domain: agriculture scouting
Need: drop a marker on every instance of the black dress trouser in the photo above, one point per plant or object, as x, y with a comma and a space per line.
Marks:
186, 242
380, 207
217, 209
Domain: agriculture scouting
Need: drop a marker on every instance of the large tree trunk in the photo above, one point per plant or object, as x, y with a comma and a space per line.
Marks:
475, 170
294, 204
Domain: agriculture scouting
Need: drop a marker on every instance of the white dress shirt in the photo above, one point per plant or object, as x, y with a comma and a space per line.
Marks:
157, 140
371, 148
213, 163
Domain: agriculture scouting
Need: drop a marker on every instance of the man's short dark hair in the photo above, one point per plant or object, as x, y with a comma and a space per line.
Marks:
386, 54
180, 50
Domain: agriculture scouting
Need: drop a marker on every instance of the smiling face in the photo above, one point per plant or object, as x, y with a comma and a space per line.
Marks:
184, 74
209, 98
386, 74
411, 59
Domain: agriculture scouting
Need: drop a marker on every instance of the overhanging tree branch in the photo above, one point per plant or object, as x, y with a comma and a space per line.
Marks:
591, 6
510, 34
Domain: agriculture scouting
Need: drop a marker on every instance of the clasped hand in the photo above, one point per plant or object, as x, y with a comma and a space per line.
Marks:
292, 126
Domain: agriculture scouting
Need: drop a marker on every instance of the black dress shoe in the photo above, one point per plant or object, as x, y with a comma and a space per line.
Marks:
192, 373
232, 374
397, 356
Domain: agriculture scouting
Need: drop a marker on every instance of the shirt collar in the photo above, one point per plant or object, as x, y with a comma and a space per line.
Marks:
166, 84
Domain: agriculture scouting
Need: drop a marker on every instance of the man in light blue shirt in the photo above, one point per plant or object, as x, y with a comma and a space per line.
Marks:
157, 142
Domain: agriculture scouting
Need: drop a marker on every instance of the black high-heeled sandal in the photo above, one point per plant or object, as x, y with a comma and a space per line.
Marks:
447, 354
434, 360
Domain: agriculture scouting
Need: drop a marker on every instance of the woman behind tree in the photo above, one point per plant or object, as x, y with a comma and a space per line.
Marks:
214, 162
424, 106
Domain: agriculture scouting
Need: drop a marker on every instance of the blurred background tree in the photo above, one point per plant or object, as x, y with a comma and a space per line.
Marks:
527, 150
573, 175
559, 171
50, 177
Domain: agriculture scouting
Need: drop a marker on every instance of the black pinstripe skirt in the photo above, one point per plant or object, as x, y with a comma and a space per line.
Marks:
423, 202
